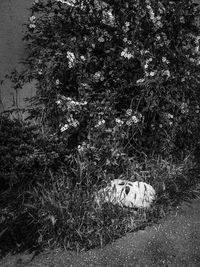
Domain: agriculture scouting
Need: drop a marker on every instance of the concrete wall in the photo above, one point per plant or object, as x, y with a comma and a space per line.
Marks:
13, 13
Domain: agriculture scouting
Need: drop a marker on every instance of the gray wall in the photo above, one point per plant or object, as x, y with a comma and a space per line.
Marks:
13, 13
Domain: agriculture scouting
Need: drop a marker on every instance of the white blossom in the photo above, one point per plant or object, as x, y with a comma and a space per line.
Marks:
101, 39
82, 58
32, 19
140, 81
58, 102
57, 82
129, 112
135, 119
71, 58
100, 123
119, 122
167, 73
127, 54
152, 73
170, 116
97, 75
32, 26
64, 128
108, 18
68, 2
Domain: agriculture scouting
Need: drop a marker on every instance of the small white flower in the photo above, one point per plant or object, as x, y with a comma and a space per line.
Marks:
32, 26
75, 123
32, 19
97, 75
127, 24
149, 60
167, 73
129, 122
101, 39
57, 82
129, 112
119, 122
140, 81
71, 58
58, 102
68, 2
64, 128
82, 58
170, 116
100, 123
134, 119
84, 84
159, 24
152, 73
83, 103
126, 54
108, 18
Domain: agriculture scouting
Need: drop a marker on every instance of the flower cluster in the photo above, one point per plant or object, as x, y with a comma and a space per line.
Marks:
36, 2
71, 123
108, 18
98, 76
184, 108
67, 103
69, 107
170, 118
119, 122
155, 19
126, 54
71, 58
32, 24
68, 2
100, 123
126, 27
133, 117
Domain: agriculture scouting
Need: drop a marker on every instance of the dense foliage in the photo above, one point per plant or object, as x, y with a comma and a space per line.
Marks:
125, 68
26, 155
117, 95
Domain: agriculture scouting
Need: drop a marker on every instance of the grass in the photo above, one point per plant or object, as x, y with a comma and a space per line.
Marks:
59, 213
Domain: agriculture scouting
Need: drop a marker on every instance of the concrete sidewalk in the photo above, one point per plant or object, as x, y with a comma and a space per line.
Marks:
175, 241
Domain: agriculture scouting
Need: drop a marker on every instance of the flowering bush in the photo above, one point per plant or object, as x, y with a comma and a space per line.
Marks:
127, 66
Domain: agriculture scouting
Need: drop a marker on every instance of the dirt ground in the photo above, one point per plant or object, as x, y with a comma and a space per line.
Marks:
175, 241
